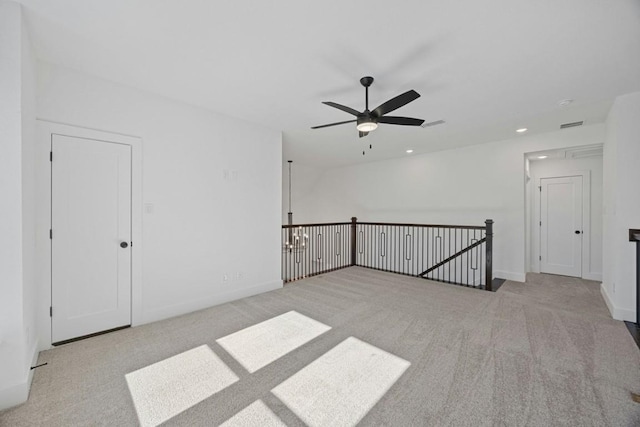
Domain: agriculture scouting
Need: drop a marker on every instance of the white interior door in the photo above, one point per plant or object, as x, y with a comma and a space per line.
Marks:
561, 225
91, 236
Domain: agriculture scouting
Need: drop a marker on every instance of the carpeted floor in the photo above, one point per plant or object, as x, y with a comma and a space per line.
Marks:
541, 353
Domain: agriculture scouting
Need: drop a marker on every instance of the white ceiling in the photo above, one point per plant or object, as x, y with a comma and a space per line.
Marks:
485, 67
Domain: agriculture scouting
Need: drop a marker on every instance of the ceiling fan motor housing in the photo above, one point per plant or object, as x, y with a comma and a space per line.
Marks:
365, 118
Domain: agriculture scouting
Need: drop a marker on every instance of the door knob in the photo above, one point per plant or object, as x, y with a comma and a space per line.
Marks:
124, 245
577, 232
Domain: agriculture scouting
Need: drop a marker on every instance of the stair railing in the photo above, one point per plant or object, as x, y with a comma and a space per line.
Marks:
458, 254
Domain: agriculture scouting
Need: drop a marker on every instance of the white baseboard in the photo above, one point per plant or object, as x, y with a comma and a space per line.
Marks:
166, 312
593, 276
509, 275
14, 395
17, 394
617, 313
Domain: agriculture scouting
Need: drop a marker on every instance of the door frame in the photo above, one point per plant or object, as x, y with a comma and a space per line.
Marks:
586, 219
44, 131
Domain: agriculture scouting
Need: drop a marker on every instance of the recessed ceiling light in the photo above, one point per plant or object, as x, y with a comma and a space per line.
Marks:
521, 130
542, 157
409, 151
565, 102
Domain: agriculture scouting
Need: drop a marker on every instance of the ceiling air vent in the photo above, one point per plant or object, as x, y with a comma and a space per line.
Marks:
570, 125
437, 122
580, 152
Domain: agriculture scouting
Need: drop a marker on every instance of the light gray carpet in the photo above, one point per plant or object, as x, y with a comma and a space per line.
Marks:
541, 353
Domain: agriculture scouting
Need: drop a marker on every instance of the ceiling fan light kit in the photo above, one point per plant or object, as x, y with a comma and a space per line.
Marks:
367, 121
366, 125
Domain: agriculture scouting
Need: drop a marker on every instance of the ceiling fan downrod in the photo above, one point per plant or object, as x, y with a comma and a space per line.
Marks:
366, 82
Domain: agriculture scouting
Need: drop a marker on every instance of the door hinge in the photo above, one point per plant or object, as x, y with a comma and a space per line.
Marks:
540, 223
50, 311
51, 156
540, 258
540, 188
50, 233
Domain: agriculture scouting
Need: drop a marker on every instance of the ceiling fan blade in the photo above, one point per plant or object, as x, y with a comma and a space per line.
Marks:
395, 103
363, 134
343, 108
406, 121
333, 124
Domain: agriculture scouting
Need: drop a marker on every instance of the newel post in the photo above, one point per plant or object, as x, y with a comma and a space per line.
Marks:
489, 252
354, 242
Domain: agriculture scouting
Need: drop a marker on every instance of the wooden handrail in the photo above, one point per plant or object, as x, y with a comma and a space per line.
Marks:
314, 225
395, 224
400, 224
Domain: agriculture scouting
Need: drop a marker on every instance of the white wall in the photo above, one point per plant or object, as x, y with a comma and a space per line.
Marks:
304, 180
621, 205
17, 285
460, 186
553, 167
206, 223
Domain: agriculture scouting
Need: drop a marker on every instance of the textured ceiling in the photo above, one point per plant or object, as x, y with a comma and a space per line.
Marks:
485, 68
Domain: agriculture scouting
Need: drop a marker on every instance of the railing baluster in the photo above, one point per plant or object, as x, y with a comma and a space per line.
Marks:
323, 259
328, 249
372, 245
346, 245
367, 253
412, 265
375, 246
386, 248
324, 265
422, 249
449, 253
396, 242
480, 262
433, 250
468, 259
325, 249
398, 256
368, 246
380, 247
341, 242
459, 259
336, 246
309, 265
393, 250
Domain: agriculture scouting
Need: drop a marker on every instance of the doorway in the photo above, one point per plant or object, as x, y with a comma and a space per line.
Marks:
55, 142
90, 236
564, 195
560, 224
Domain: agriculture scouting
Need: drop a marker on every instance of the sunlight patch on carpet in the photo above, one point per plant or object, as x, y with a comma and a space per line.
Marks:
341, 386
256, 414
166, 388
258, 345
